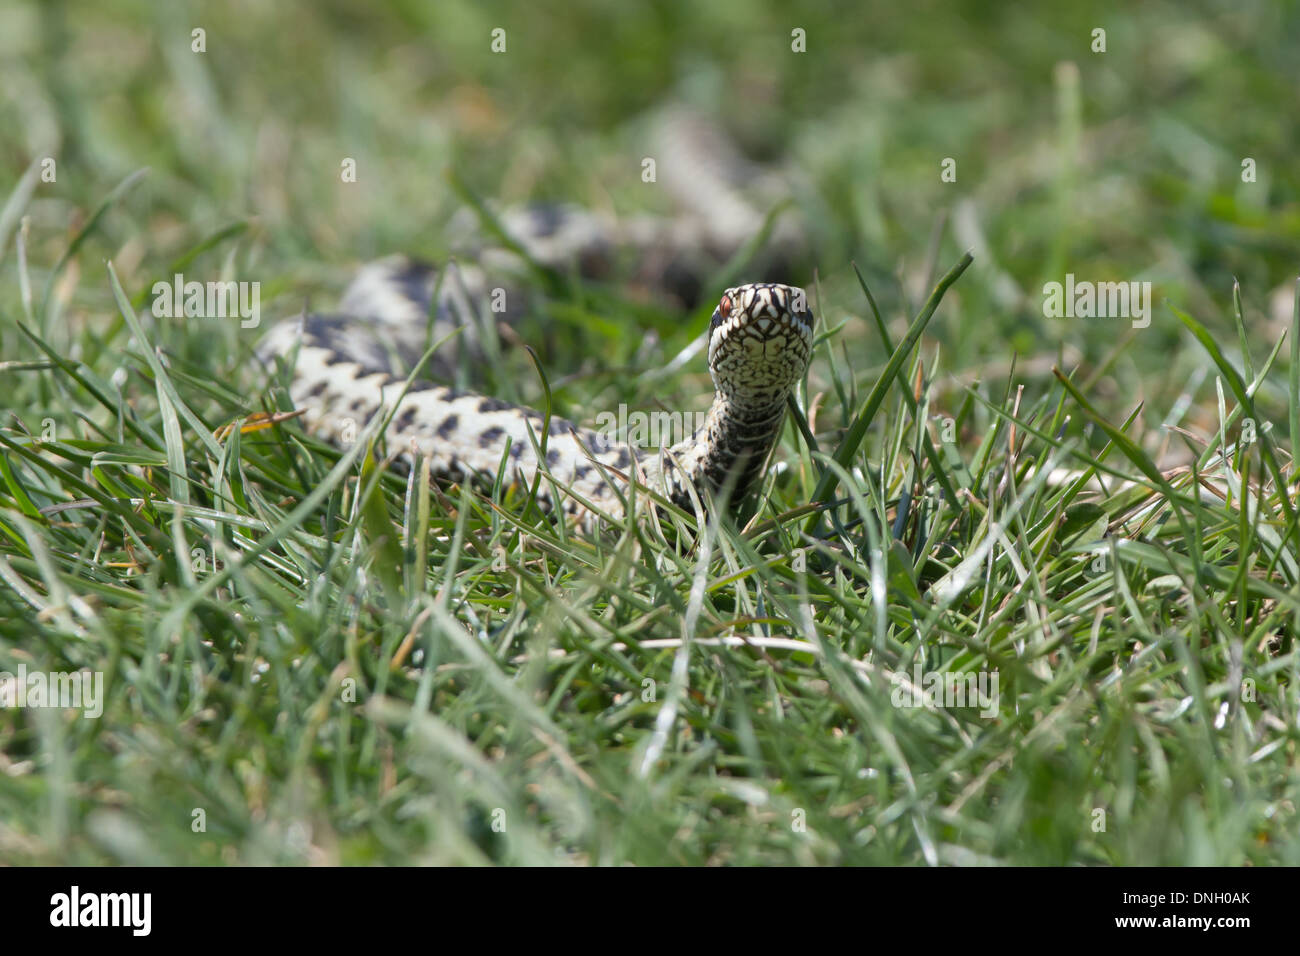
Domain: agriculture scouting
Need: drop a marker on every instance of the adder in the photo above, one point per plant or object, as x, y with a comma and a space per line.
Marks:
759, 344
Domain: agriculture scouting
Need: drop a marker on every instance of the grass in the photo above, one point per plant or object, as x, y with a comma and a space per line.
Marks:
309, 659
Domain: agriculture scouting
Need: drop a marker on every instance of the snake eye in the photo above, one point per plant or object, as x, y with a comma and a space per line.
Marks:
724, 307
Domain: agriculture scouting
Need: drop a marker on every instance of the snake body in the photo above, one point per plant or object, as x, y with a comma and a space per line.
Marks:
760, 340
349, 366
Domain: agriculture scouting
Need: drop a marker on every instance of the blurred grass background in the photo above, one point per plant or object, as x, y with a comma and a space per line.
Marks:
1114, 166
1126, 165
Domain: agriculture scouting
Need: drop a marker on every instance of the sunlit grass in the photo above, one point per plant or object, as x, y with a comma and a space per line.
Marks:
323, 661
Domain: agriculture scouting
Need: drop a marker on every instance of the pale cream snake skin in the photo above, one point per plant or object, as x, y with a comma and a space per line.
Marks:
350, 366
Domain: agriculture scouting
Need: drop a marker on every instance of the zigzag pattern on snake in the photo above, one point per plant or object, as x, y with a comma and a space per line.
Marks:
348, 367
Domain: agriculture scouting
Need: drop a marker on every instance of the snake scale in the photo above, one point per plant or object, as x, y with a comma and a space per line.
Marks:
348, 367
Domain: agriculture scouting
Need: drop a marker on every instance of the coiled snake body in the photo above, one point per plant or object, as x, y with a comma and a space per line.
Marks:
344, 374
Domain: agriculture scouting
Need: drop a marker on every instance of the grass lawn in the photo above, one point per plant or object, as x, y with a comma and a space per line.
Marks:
305, 659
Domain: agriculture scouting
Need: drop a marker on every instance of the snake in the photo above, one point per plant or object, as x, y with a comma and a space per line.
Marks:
347, 367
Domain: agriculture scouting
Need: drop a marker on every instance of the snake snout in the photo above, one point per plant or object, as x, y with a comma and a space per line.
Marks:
760, 338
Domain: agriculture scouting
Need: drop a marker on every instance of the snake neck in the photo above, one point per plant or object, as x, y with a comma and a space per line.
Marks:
728, 453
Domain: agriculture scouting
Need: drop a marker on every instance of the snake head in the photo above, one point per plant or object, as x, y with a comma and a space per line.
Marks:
760, 340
